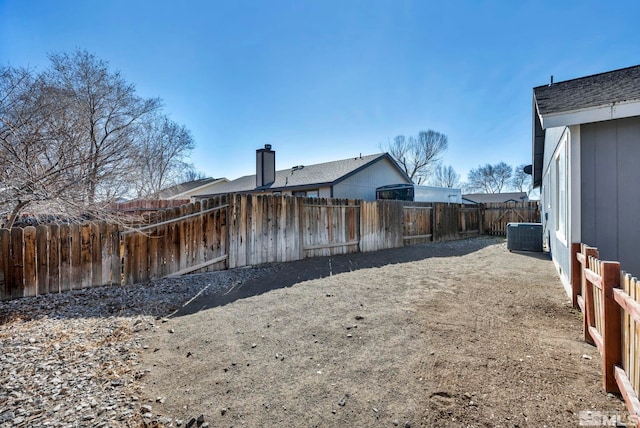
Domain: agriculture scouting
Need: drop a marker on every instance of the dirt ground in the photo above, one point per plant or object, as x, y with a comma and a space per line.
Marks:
461, 334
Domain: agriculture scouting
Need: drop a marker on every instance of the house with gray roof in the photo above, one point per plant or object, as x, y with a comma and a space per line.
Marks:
586, 153
352, 178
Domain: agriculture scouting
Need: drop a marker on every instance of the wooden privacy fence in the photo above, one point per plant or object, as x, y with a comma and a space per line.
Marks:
225, 232
609, 301
497, 216
55, 258
176, 241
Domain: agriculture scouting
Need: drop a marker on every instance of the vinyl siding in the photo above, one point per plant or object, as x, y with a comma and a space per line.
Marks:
610, 192
363, 184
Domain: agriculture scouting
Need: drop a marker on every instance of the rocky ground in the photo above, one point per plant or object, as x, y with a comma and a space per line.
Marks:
72, 359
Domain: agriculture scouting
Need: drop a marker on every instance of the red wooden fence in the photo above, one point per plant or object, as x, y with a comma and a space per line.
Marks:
608, 299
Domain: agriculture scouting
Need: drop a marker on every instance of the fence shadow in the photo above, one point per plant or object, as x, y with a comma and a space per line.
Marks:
283, 275
536, 255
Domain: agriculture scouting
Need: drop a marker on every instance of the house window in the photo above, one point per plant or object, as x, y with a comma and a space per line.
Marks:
307, 193
561, 193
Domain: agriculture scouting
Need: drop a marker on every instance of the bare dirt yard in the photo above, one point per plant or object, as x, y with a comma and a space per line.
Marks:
461, 334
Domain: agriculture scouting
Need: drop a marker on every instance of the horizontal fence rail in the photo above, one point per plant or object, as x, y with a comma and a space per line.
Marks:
225, 232
609, 301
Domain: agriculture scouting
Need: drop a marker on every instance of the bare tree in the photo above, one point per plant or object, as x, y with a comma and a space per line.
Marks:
490, 178
108, 112
445, 176
521, 181
73, 139
160, 159
418, 155
191, 174
37, 168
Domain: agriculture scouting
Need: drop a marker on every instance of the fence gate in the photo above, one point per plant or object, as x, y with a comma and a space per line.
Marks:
417, 224
497, 216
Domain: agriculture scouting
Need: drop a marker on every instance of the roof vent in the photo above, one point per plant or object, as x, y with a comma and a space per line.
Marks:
551, 80
297, 168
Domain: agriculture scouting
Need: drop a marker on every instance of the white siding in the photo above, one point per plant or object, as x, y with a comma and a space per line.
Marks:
556, 196
325, 192
363, 184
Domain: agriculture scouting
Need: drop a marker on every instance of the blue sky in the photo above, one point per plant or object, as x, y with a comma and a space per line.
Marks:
326, 80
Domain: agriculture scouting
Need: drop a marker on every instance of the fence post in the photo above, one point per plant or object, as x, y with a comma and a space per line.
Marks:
576, 274
588, 318
611, 326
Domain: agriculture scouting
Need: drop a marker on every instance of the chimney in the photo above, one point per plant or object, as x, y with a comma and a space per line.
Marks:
265, 166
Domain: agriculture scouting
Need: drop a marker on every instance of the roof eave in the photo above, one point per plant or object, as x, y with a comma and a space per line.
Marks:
371, 162
619, 110
612, 111
196, 189
297, 187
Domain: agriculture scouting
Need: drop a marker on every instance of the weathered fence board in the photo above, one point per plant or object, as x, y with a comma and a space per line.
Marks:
42, 263
76, 257
29, 261
65, 257
54, 258
6, 280
17, 263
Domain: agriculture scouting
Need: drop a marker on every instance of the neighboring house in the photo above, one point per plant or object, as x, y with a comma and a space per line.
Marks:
586, 157
353, 178
495, 198
191, 188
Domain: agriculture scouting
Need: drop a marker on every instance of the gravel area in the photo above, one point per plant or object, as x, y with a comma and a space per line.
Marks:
71, 359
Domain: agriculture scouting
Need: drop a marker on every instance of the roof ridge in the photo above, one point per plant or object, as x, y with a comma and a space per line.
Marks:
591, 76
335, 161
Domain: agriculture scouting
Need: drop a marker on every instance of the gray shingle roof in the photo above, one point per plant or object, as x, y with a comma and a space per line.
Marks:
322, 173
183, 187
591, 91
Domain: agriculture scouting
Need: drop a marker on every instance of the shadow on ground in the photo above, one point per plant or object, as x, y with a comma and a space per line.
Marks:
282, 275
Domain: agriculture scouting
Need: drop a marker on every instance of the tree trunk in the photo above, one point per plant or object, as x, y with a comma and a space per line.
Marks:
15, 212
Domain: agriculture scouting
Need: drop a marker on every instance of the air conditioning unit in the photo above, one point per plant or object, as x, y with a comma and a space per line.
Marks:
524, 237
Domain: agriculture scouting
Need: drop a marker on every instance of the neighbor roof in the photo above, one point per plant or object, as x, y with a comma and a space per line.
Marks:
492, 198
327, 173
591, 91
185, 187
